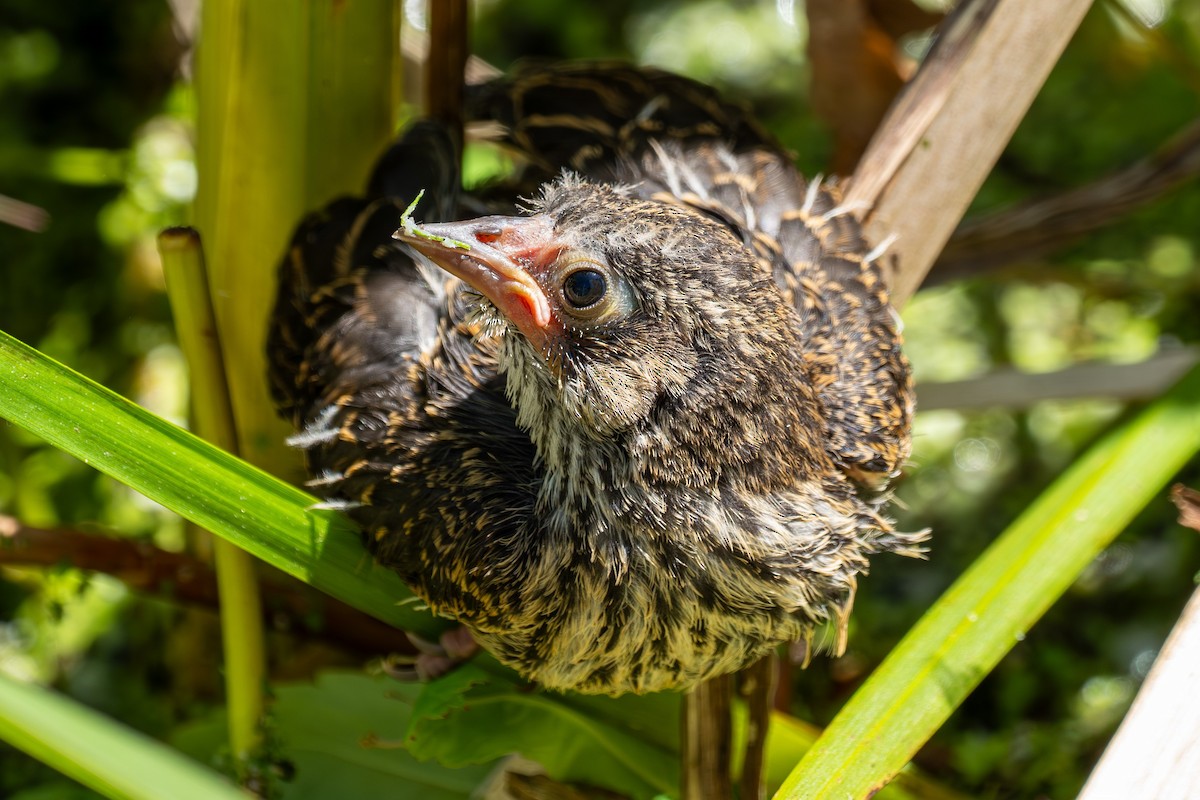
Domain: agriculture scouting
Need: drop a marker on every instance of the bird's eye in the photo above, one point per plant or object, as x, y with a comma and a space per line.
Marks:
584, 288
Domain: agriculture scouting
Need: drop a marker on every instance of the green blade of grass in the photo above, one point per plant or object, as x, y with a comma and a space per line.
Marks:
99, 753
259, 513
987, 611
789, 739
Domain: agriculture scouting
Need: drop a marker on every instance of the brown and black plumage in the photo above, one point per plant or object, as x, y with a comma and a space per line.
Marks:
632, 437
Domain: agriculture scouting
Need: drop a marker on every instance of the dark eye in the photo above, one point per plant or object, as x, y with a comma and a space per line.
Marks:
584, 287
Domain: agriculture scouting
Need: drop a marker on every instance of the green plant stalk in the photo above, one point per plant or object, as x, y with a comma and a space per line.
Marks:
788, 739
263, 515
294, 101
237, 585
245, 651
989, 609
101, 754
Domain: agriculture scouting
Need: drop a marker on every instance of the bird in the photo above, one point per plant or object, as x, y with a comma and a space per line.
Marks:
630, 414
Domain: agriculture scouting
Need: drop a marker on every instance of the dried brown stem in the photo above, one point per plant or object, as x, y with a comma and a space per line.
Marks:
148, 569
1038, 227
951, 123
446, 64
901, 17
921, 102
757, 688
855, 76
707, 738
23, 215
1188, 502
1010, 388
1154, 753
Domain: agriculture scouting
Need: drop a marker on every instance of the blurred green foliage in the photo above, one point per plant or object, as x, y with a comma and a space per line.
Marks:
95, 128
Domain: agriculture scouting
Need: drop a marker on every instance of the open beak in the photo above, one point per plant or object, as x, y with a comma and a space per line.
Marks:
493, 256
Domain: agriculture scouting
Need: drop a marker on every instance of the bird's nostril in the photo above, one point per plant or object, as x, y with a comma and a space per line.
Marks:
487, 235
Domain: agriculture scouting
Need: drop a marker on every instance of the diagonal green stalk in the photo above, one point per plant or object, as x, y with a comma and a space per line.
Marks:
788, 739
237, 584
101, 754
989, 609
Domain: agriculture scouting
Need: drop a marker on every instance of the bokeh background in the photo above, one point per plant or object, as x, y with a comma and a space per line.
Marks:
96, 155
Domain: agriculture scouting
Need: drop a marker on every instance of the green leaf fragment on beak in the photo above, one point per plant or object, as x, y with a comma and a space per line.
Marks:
414, 229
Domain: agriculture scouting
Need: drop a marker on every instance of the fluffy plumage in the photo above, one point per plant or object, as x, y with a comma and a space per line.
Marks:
631, 495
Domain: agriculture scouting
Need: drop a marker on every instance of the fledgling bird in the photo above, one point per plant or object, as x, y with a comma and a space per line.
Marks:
631, 437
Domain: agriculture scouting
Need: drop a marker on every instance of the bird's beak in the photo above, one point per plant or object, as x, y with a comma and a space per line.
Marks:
493, 255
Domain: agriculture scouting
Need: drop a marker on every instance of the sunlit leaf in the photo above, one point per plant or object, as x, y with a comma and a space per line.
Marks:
114, 760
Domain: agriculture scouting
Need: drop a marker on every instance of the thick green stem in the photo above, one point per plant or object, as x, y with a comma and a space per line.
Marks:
295, 101
101, 754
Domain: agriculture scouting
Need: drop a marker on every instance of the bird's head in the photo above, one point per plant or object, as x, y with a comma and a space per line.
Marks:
626, 316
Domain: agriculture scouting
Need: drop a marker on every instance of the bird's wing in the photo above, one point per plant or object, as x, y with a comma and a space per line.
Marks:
837, 286
678, 141
350, 299
402, 414
583, 116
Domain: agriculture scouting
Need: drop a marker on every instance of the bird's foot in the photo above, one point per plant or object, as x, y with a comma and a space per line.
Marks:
433, 659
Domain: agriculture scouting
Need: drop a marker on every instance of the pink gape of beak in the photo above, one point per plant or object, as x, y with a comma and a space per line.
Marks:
497, 264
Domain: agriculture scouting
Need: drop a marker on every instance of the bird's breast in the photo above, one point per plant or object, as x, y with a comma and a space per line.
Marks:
640, 610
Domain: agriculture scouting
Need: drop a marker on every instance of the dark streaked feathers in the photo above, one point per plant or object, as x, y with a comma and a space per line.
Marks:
654, 498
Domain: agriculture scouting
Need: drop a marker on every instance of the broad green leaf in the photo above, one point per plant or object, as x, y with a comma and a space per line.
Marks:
259, 513
102, 754
470, 717
987, 611
653, 717
341, 735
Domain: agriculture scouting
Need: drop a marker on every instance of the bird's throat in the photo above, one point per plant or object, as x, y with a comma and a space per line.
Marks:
585, 474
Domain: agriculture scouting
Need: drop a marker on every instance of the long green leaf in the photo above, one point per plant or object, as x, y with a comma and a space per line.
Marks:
110, 758
257, 512
788, 739
987, 611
